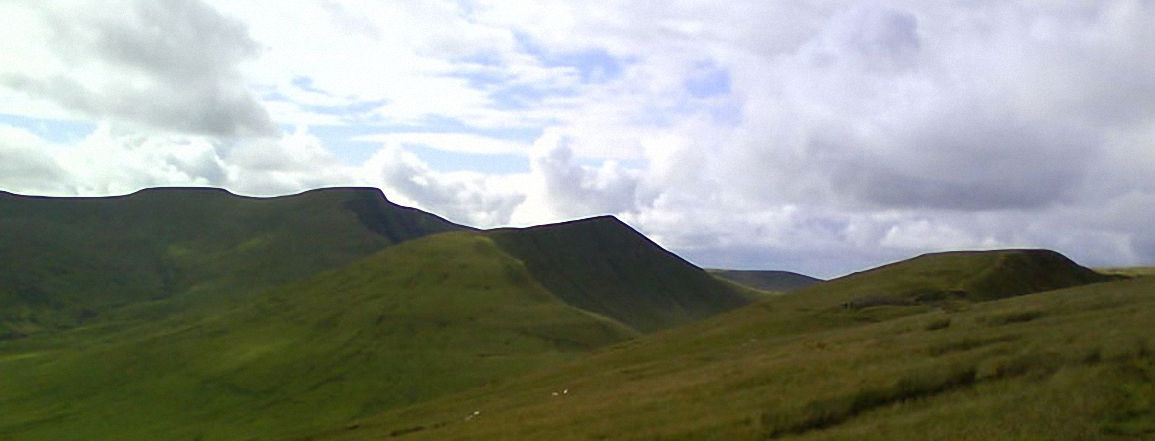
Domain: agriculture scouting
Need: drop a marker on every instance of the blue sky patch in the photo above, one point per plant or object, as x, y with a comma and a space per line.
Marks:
595, 65
524, 96
56, 131
306, 84
352, 110
710, 81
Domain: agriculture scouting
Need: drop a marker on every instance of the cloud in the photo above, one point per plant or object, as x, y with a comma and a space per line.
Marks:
890, 108
470, 198
25, 166
169, 64
569, 189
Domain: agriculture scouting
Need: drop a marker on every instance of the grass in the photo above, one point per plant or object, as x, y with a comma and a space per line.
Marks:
1065, 364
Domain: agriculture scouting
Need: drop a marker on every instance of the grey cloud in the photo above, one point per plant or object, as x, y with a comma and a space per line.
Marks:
969, 163
873, 37
971, 119
170, 64
30, 171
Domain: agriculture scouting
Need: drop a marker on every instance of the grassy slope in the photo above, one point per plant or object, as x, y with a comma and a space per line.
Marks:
67, 260
603, 265
1070, 364
777, 281
416, 320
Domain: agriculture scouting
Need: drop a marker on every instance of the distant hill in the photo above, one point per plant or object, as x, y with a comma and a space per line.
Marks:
604, 266
778, 281
959, 275
65, 261
1014, 363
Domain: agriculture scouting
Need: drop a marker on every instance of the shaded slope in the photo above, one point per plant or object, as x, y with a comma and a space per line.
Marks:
414, 321
603, 265
1063, 365
65, 260
779, 281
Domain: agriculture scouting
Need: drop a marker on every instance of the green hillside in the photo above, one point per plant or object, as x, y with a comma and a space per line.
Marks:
603, 265
1068, 364
767, 280
414, 321
67, 261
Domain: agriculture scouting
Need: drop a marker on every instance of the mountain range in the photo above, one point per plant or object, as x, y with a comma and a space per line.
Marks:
196, 314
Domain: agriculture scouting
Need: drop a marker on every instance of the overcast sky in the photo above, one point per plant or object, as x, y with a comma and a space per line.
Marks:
816, 136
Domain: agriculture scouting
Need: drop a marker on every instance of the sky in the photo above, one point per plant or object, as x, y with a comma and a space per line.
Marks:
823, 137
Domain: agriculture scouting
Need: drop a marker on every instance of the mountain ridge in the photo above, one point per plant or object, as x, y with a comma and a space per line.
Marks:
70, 259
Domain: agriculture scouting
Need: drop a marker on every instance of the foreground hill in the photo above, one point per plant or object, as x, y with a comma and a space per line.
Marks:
604, 266
65, 261
414, 321
775, 281
1073, 363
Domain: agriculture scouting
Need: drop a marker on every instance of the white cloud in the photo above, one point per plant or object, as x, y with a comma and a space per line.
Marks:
470, 198
836, 135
